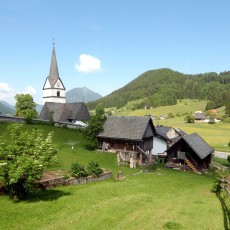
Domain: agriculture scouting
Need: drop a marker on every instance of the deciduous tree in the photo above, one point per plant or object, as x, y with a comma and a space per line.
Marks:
23, 160
95, 124
25, 106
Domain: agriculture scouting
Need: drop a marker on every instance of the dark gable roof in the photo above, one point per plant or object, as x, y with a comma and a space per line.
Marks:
65, 111
181, 132
199, 146
199, 116
161, 131
127, 128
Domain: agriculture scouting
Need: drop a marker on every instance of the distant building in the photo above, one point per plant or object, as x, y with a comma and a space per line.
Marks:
199, 116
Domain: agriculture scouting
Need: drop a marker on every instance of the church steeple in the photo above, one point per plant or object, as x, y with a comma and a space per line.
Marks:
54, 74
53, 89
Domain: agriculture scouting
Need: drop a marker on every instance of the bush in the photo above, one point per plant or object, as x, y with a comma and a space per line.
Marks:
228, 158
78, 170
94, 169
23, 161
189, 118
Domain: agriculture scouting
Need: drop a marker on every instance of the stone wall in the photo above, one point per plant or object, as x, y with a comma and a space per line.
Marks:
50, 183
12, 119
37, 121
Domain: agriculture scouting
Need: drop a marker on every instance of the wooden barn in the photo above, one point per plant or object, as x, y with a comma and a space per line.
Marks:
190, 152
130, 137
65, 112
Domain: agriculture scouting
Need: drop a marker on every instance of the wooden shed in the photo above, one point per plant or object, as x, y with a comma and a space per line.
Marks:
131, 137
190, 152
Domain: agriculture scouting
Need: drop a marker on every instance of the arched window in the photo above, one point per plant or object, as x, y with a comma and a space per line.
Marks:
58, 93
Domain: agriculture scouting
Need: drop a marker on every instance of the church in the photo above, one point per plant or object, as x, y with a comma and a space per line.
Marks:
54, 99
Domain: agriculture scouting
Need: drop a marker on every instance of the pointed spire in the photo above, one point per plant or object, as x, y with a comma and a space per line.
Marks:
53, 75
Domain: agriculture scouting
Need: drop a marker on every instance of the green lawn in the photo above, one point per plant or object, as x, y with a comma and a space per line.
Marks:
161, 199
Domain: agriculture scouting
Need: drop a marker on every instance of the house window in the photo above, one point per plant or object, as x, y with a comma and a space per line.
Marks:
58, 93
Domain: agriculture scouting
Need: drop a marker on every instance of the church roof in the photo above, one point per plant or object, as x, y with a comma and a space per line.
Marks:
54, 74
64, 112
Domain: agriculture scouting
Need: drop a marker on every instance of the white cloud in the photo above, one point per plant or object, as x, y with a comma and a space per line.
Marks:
4, 87
30, 90
7, 93
88, 63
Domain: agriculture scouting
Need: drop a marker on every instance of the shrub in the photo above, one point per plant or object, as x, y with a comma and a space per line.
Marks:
94, 169
170, 115
78, 170
189, 118
228, 158
23, 161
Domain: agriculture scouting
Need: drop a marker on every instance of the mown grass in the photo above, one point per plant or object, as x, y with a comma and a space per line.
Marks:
161, 199
182, 107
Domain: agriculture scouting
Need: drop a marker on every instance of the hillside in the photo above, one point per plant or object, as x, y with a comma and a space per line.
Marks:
6, 108
81, 95
90, 207
164, 86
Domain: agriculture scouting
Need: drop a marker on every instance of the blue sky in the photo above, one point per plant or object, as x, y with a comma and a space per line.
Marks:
105, 44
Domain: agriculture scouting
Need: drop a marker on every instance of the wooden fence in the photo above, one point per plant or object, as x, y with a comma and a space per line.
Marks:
225, 184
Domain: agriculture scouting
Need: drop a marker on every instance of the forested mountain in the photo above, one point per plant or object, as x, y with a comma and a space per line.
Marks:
164, 86
6, 108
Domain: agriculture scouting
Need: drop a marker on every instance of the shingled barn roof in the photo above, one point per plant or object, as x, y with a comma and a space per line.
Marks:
162, 132
125, 127
196, 143
65, 111
199, 146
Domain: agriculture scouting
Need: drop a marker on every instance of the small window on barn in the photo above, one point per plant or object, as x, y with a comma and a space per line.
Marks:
58, 93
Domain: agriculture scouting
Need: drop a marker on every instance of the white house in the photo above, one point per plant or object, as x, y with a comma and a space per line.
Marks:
166, 136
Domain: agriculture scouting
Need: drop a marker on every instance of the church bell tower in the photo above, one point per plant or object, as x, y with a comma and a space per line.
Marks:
54, 89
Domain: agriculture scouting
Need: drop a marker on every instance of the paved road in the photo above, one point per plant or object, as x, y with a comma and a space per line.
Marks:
223, 155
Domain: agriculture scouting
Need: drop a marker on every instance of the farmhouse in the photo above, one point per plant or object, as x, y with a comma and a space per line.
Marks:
199, 116
130, 137
165, 137
190, 152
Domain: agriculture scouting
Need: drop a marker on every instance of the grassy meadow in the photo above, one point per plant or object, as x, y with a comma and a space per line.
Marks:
159, 199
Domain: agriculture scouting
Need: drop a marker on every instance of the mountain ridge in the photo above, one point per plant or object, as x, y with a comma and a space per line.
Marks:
81, 94
164, 86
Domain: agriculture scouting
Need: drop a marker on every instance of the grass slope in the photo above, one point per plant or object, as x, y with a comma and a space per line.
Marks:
161, 199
